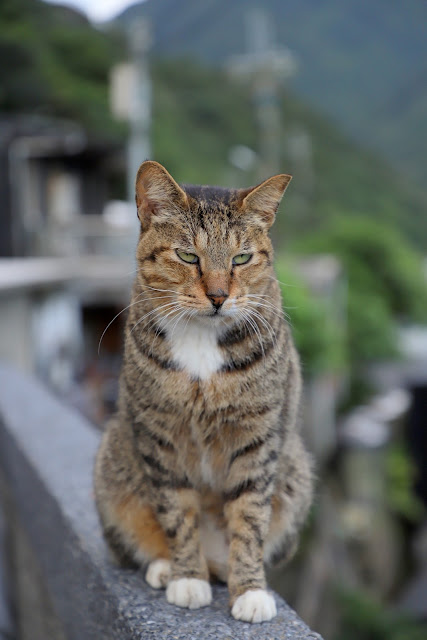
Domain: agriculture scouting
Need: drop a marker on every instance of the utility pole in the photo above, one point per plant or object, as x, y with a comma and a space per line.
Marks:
265, 65
139, 146
131, 99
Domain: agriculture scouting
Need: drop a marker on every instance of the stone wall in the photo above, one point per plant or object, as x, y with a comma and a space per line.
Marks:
62, 584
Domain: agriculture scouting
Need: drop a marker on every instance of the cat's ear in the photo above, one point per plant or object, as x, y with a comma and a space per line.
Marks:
156, 193
262, 202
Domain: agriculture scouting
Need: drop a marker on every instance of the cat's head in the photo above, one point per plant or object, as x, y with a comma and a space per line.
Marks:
204, 251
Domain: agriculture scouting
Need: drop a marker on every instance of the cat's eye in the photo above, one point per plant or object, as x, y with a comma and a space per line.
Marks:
187, 257
242, 258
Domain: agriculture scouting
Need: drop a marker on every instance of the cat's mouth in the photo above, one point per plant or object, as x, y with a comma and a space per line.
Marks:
215, 317
215, 312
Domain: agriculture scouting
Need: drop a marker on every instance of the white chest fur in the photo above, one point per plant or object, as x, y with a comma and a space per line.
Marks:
195, 348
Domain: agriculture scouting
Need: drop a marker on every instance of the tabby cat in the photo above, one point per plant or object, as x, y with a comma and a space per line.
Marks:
202, 472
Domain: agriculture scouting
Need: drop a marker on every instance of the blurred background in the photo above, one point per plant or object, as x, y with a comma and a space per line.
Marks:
229, 93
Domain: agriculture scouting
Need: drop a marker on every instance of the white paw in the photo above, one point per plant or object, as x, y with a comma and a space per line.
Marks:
189, 592
158, 573
254, 606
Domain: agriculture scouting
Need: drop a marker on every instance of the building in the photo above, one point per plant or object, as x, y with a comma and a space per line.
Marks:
54, 185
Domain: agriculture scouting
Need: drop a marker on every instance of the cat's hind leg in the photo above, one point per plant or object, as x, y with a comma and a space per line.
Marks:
130, 524
135, 538
158, 573
290, 503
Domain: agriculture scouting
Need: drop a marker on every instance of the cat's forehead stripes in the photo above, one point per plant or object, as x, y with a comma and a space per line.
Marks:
213, 205
217, 239
210, 196
214, 214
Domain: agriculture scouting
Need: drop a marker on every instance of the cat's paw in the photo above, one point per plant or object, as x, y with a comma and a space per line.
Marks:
254, 606
158, 573
189, 592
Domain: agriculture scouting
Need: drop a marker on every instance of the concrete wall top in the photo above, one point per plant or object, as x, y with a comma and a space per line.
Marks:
46, 458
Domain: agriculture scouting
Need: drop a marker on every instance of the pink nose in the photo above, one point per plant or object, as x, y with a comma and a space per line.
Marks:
218, 298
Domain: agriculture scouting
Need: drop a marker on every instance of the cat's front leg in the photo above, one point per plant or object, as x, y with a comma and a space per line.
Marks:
180, 516
248, 511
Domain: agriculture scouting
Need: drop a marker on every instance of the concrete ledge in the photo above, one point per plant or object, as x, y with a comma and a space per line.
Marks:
64, 585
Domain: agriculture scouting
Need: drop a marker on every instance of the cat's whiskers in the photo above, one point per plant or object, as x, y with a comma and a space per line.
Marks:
191, 314
157, 311
255, 327
164, 326
252, 321
173, 295
267, 305
180, 316
264, 298
273, 309
266, 324
285, 284
252, 295
248, 330
156, 298
116, 316
241, 319
267, 299
255, 315
172, 318
177, 293
161, 290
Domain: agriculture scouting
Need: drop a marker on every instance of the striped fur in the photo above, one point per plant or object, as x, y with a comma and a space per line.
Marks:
204, 450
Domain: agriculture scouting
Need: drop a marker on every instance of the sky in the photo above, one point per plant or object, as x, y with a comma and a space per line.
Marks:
97, 10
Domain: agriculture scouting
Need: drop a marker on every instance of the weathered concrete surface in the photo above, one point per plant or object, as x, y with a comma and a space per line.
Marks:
46, 461
6, 622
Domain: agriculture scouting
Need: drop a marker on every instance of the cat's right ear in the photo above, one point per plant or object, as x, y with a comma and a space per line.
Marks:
157, 194
261, 203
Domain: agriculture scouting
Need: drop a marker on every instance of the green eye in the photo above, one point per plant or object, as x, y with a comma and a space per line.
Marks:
188, 257
242, 258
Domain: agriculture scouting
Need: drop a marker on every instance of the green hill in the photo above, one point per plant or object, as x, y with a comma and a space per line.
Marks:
54, 63
59, 65
362, 63
199, 115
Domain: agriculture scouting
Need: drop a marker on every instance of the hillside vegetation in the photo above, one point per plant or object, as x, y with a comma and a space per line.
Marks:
199, 115
59, 64
363, 63
54, 63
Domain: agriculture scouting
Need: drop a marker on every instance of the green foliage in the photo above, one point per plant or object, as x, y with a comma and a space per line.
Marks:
361, 62
200, 114
385, 282
370, 326
319, 342
400, 484
362, 618
58, 64
348, 180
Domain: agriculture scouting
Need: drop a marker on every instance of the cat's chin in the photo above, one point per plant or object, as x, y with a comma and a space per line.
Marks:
220, 321
213, 319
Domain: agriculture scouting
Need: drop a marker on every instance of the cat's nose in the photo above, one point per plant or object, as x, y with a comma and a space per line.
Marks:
218, 298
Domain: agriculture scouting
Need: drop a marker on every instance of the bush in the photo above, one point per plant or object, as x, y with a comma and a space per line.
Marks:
385, 283
316, 337
365, 619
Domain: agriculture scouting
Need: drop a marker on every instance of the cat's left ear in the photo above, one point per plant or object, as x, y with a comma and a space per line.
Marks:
262, 202
157, 194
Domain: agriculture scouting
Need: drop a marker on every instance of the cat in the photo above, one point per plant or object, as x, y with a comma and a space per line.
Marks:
202, 472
